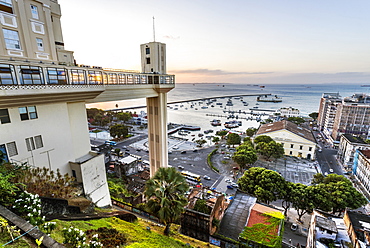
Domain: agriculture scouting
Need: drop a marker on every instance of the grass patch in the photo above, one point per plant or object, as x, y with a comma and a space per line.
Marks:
209, 160
19, 243
137, 234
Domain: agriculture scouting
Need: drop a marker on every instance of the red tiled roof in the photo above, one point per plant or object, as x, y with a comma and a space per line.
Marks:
257, 217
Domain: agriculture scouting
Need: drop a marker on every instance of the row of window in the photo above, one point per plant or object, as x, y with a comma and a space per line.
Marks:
31, 75
9, 4
12, 41
300, 147
26, 113
32, 143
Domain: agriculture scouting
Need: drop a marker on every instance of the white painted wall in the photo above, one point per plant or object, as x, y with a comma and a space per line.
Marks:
63, 127
95, 181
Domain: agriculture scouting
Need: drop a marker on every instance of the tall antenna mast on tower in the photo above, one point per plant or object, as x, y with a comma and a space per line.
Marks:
153, 29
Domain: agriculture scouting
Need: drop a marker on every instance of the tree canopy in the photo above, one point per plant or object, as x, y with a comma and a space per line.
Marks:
233, 139
314, 115
251, 131
165, 194
244, 156
262, 138
270, 149
262, 183
118, 130
296, 120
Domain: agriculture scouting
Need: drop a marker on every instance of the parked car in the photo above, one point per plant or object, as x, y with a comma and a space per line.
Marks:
228, 180
180, 167
294, 227
229, 187
235, 185
183, 152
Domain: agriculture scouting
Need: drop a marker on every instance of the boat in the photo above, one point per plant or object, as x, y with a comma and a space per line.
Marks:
229, 103
204, 107
267, 98
232, 124
218, 103
216, 123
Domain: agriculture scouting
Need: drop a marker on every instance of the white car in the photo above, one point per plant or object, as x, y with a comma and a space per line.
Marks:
206, 177
331, 170
228, 180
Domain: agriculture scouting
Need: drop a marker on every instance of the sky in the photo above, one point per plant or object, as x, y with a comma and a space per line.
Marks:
220, 41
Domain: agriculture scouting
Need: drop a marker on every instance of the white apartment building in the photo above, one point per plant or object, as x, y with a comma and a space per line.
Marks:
289, 112
348, 145
297, 141
361, 169
43, 96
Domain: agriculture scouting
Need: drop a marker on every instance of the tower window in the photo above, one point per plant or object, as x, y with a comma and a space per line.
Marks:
34, 12
40, 44
147, 50
147, 61
11, 39
4, 116
28, 113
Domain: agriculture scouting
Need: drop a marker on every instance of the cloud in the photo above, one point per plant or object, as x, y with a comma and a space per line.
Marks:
171, 37
216, 72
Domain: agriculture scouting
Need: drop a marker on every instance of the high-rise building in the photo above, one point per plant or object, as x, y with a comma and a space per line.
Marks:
43, 97
353, 117
327, 111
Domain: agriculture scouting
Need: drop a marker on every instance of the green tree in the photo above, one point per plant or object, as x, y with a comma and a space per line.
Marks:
200, 142
251, 131
287, 196
233, 139
222, 133
216, 139
244, 157
301, 200
340, 193
201, 206
314, 115
165, 194
296, 120
262, 183
124, 116
262, 138
118, 130
271, 149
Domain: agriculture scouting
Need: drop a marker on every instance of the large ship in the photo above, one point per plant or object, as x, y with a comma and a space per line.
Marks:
267, 98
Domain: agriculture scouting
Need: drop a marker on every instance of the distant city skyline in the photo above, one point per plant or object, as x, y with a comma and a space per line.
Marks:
241, 41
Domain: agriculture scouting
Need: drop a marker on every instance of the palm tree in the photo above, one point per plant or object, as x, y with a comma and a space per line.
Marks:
165, 193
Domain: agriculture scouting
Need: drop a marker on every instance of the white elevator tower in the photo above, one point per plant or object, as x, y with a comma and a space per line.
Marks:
153, 57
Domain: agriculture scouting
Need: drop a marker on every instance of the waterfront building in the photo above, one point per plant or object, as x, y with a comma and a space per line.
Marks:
43, 94
352, 117
348, 145
297, 141
289, 112
327, 111
361, 169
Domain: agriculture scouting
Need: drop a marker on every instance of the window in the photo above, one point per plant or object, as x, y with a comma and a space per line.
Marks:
28, 113
310, 148
122, 78
4, 116
12, 149
56, 75
6, 6
147, 61
30, 144
112, 78
38, 142
11, 39
6, 2
147, 50
95, 77
300, 147
34, 12
40, 44
7, 75
31, 75
291, 146
77, 76
290, 153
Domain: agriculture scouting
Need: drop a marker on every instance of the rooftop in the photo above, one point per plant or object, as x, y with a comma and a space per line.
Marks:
236, 215
326, 223
286, 125
354, 139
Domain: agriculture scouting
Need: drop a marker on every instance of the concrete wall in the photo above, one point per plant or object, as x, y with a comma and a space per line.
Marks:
95, 181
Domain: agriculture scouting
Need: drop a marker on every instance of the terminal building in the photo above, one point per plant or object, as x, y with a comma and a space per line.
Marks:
43, 96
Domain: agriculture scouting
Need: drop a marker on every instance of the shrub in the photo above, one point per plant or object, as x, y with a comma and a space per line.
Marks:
28, 206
